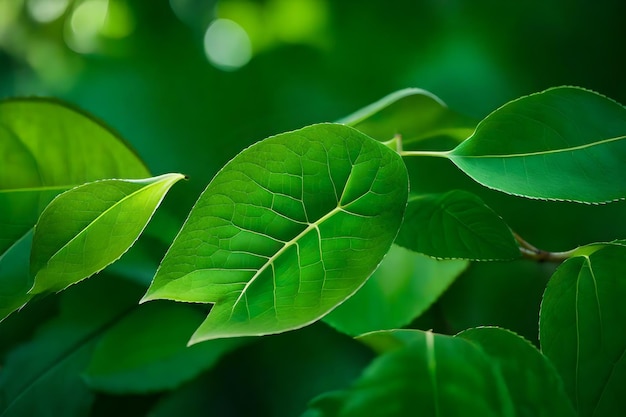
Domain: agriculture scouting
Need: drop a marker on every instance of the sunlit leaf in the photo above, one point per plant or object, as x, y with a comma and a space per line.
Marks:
148, 351
433, 375
46, 148
582, 329
412, 113
565, 143
43, 377
533, 383
456, 224
403, 287
287, 230
90, 226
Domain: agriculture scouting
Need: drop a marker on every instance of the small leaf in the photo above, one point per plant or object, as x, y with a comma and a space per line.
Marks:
456, 224
413, 113
148, 351
286, 231
532, 381
46, 148
403, 287
90, 226
564, 143
433, 375
582, 329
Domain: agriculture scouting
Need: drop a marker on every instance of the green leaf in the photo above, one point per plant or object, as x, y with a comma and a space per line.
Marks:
413, 113
434, 375
88, 227
148, 351
565, 143
43, 377
382, 341
403, 287
46, 148
286, 231
532, 381
456, 224
582, 329
15, 279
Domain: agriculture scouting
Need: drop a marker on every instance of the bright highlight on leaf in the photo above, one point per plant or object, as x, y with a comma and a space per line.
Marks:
90, 226
582, 329
286, 231
456, 224
565, 143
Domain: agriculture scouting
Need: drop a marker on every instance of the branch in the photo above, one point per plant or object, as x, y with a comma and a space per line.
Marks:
533, 253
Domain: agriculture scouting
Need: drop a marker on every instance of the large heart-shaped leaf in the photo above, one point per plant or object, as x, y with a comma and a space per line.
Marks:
456, 224
582, 329
286, 231
403, 287
432, 375
565, 143
90, 226
533, 383
413, 113
46, 148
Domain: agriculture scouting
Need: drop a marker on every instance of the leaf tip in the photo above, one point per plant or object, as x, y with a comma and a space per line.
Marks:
146, 298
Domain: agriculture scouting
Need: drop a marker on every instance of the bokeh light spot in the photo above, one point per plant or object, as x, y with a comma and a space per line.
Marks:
44, 11
85, 24
227, 45
119, 21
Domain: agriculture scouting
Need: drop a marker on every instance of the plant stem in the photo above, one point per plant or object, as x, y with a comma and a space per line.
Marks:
397, 139
438, 154
531, 252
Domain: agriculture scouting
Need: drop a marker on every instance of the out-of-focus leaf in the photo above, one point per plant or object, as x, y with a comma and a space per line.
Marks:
195, 399
88, 227
46, 148
413, 113
582, 329
15, 279
456, 224
383, 341
286, 231
504, 294
404, 286
534, 385
432, 375
565, 143
43, 376
148, 351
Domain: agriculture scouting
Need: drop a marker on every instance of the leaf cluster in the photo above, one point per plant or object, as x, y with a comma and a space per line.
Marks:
327, 223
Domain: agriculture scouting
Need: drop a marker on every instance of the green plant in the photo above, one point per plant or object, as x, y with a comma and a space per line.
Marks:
314, 224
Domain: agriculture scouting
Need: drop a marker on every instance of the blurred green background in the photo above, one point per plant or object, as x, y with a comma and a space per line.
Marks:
144, 67
190, 83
